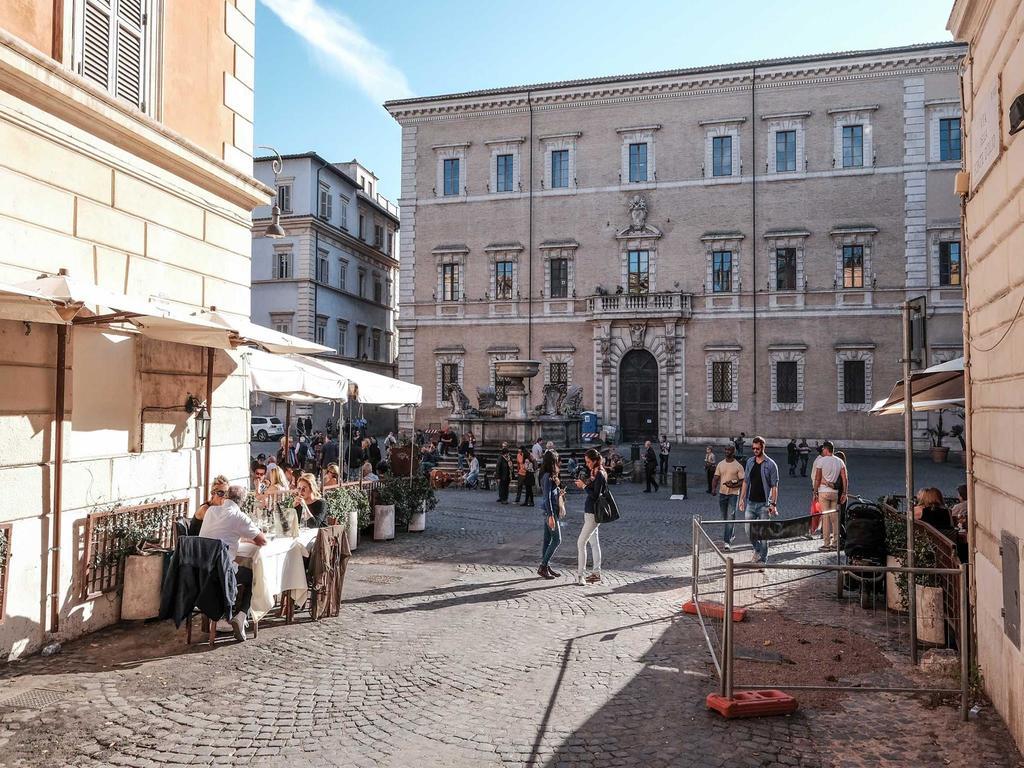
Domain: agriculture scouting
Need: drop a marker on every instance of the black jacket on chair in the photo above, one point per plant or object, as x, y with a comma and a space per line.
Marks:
200, 575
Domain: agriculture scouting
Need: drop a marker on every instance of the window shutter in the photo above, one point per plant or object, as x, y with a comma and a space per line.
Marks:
129, 65
96, 42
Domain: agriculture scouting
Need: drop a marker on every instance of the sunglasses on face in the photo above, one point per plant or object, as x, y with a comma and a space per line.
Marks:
222, 494
261, 474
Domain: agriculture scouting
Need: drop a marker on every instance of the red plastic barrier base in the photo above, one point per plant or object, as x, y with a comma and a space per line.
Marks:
752, 704
714, 610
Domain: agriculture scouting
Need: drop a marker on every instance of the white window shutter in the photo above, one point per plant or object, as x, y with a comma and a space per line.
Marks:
129, 67
97, 30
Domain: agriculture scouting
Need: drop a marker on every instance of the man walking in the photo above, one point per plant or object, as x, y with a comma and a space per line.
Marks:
760, 494
503, 471
727, 482
805, 453
665, 448
650, 466
792, 453
828, 477
740, 442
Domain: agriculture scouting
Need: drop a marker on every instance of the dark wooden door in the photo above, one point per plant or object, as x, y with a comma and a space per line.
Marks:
638, 395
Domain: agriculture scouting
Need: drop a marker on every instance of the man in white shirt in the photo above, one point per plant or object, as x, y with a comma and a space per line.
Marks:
537, 452
225, 520
830, 484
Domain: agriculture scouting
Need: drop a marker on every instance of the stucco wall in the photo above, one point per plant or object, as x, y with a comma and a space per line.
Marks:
31, 20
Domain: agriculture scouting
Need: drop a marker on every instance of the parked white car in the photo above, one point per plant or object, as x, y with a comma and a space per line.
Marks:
265, 428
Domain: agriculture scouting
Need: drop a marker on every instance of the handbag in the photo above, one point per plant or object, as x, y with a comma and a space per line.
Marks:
606, 510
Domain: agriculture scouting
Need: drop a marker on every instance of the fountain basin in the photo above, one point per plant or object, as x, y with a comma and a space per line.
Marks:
517, 369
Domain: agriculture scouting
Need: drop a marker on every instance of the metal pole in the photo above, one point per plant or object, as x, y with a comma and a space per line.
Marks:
209, 410
287, 428
908, 459
695, 567
58, 474
727, 639
965, 645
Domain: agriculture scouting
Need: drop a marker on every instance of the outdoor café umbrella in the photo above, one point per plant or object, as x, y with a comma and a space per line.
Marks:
935, 389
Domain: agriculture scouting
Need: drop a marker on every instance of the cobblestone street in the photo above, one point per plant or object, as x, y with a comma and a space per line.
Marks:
450, 651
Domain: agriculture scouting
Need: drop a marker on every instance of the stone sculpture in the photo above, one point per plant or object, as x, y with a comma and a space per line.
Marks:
460, 403
572, 402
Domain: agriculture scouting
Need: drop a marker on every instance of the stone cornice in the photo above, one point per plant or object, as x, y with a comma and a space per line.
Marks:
844, 110
723, 121
730, 78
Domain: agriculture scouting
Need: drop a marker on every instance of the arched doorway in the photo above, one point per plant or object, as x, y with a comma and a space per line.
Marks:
638, 395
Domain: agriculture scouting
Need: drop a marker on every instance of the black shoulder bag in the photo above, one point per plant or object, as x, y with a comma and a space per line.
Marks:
605, 509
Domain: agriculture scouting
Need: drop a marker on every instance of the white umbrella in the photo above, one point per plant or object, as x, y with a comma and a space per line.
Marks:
261, 336
935, 389
374, 388
293, 378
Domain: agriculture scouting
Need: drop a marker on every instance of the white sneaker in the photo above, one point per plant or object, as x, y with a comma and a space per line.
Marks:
238, 626
580, 580
727, 547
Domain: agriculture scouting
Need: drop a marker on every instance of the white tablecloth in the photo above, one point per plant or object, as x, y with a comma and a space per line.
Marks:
277, 568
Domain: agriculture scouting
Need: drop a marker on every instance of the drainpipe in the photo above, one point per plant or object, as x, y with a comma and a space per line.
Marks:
753, 234
529, 258
58, 472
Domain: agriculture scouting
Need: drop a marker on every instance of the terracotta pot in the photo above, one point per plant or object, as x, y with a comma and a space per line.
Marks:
939, 453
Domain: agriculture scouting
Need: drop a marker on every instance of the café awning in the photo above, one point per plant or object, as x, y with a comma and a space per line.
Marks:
375, 388
261, 336
293, 378
934, 389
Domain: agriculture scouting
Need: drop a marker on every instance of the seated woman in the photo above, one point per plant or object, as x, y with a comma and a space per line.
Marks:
366, 473
310, 507
472, 478
931, 509
332, 476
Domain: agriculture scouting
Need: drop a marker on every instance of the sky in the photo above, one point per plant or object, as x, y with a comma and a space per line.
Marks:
325, 67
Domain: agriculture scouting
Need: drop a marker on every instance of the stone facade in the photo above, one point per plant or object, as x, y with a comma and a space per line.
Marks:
738, 255
144, 192
993, 77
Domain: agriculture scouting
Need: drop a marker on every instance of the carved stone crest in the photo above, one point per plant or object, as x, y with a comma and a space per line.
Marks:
606, 354
638, 212
637, 332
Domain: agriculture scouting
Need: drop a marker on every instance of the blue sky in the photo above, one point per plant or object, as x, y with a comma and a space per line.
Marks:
324, 67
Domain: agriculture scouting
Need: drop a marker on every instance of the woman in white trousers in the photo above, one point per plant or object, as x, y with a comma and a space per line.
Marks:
594, 486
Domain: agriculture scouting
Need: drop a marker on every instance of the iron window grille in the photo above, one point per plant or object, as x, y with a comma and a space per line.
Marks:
854, 389
558, 375
449, 377
785, 381
721, 382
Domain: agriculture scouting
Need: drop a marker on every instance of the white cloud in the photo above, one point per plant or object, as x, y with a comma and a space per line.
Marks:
344, 49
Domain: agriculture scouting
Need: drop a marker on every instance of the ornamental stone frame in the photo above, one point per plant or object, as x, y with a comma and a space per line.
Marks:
781, 353
553, 143
863, 236
562, 353
940, 109
505, 147
450, 254
852, 116
948, 232
722, 241
454, 151
712, 130
788, 121
496, 353
559, 249
854, 351
503, 252
786, 238
722, 353
450, 355
646, 240
641, 134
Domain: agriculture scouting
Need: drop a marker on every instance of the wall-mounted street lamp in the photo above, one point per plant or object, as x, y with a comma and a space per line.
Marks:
194, 405
275, 231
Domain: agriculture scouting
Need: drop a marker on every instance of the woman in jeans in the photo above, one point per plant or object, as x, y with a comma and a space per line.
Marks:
594, 486
550, 490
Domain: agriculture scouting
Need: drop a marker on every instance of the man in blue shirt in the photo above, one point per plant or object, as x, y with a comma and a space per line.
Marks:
760, 493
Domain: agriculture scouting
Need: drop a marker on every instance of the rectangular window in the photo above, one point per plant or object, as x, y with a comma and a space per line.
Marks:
721, 382
114, 48
853, 382
449, 282
362, 283
343, 274
325, 202
853, 266
378, 291
638, 162
853, 146
721, 156
281, 323
559, 279
322, 268
503, 280
321, 330
639, 271
451, 177
785, 269
378, 236
342, 337
283, 265
449, 377
721, 272
362, 227
785, 381
949, 139
949, 263
558, 375
560, 169
284, 198
785, 151
344, 212
504, 173
376, 345
360, 341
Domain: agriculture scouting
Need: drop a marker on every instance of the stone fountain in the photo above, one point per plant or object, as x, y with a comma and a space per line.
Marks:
557, 419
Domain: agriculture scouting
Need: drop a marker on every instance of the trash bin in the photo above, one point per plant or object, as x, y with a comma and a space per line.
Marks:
679, 480
634, 452
591, 428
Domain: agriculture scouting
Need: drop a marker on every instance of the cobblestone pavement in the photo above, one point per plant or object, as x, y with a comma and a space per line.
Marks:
451, 652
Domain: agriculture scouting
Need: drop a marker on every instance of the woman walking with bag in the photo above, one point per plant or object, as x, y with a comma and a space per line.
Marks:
595, 486
551, 496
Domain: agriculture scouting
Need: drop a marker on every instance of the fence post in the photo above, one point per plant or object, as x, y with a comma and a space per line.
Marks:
965, 656
695, 565
727, 640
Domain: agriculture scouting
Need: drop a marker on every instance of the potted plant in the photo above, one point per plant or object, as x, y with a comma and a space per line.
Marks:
937, 434
957, 431
411, 498
143, 569
929, 596
349, 507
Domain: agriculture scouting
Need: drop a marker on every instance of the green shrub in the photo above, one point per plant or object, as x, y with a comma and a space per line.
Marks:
343, 502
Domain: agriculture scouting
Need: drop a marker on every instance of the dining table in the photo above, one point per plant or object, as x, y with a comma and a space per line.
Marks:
278, 570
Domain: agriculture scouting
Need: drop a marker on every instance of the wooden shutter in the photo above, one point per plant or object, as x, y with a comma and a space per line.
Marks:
96, 42
129, 66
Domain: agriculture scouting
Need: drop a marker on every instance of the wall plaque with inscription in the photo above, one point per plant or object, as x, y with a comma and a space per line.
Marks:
986, 141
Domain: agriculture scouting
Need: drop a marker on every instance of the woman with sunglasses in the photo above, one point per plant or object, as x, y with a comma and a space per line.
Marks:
218, 491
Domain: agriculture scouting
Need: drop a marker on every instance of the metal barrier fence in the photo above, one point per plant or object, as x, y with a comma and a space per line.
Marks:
827, 624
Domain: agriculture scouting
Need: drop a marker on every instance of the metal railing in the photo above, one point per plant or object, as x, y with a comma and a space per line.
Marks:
797, 589
113, 534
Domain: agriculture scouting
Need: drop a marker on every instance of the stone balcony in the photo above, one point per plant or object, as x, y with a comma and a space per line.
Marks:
624, 306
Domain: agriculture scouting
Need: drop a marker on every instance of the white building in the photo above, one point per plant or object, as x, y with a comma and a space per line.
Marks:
332, 278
